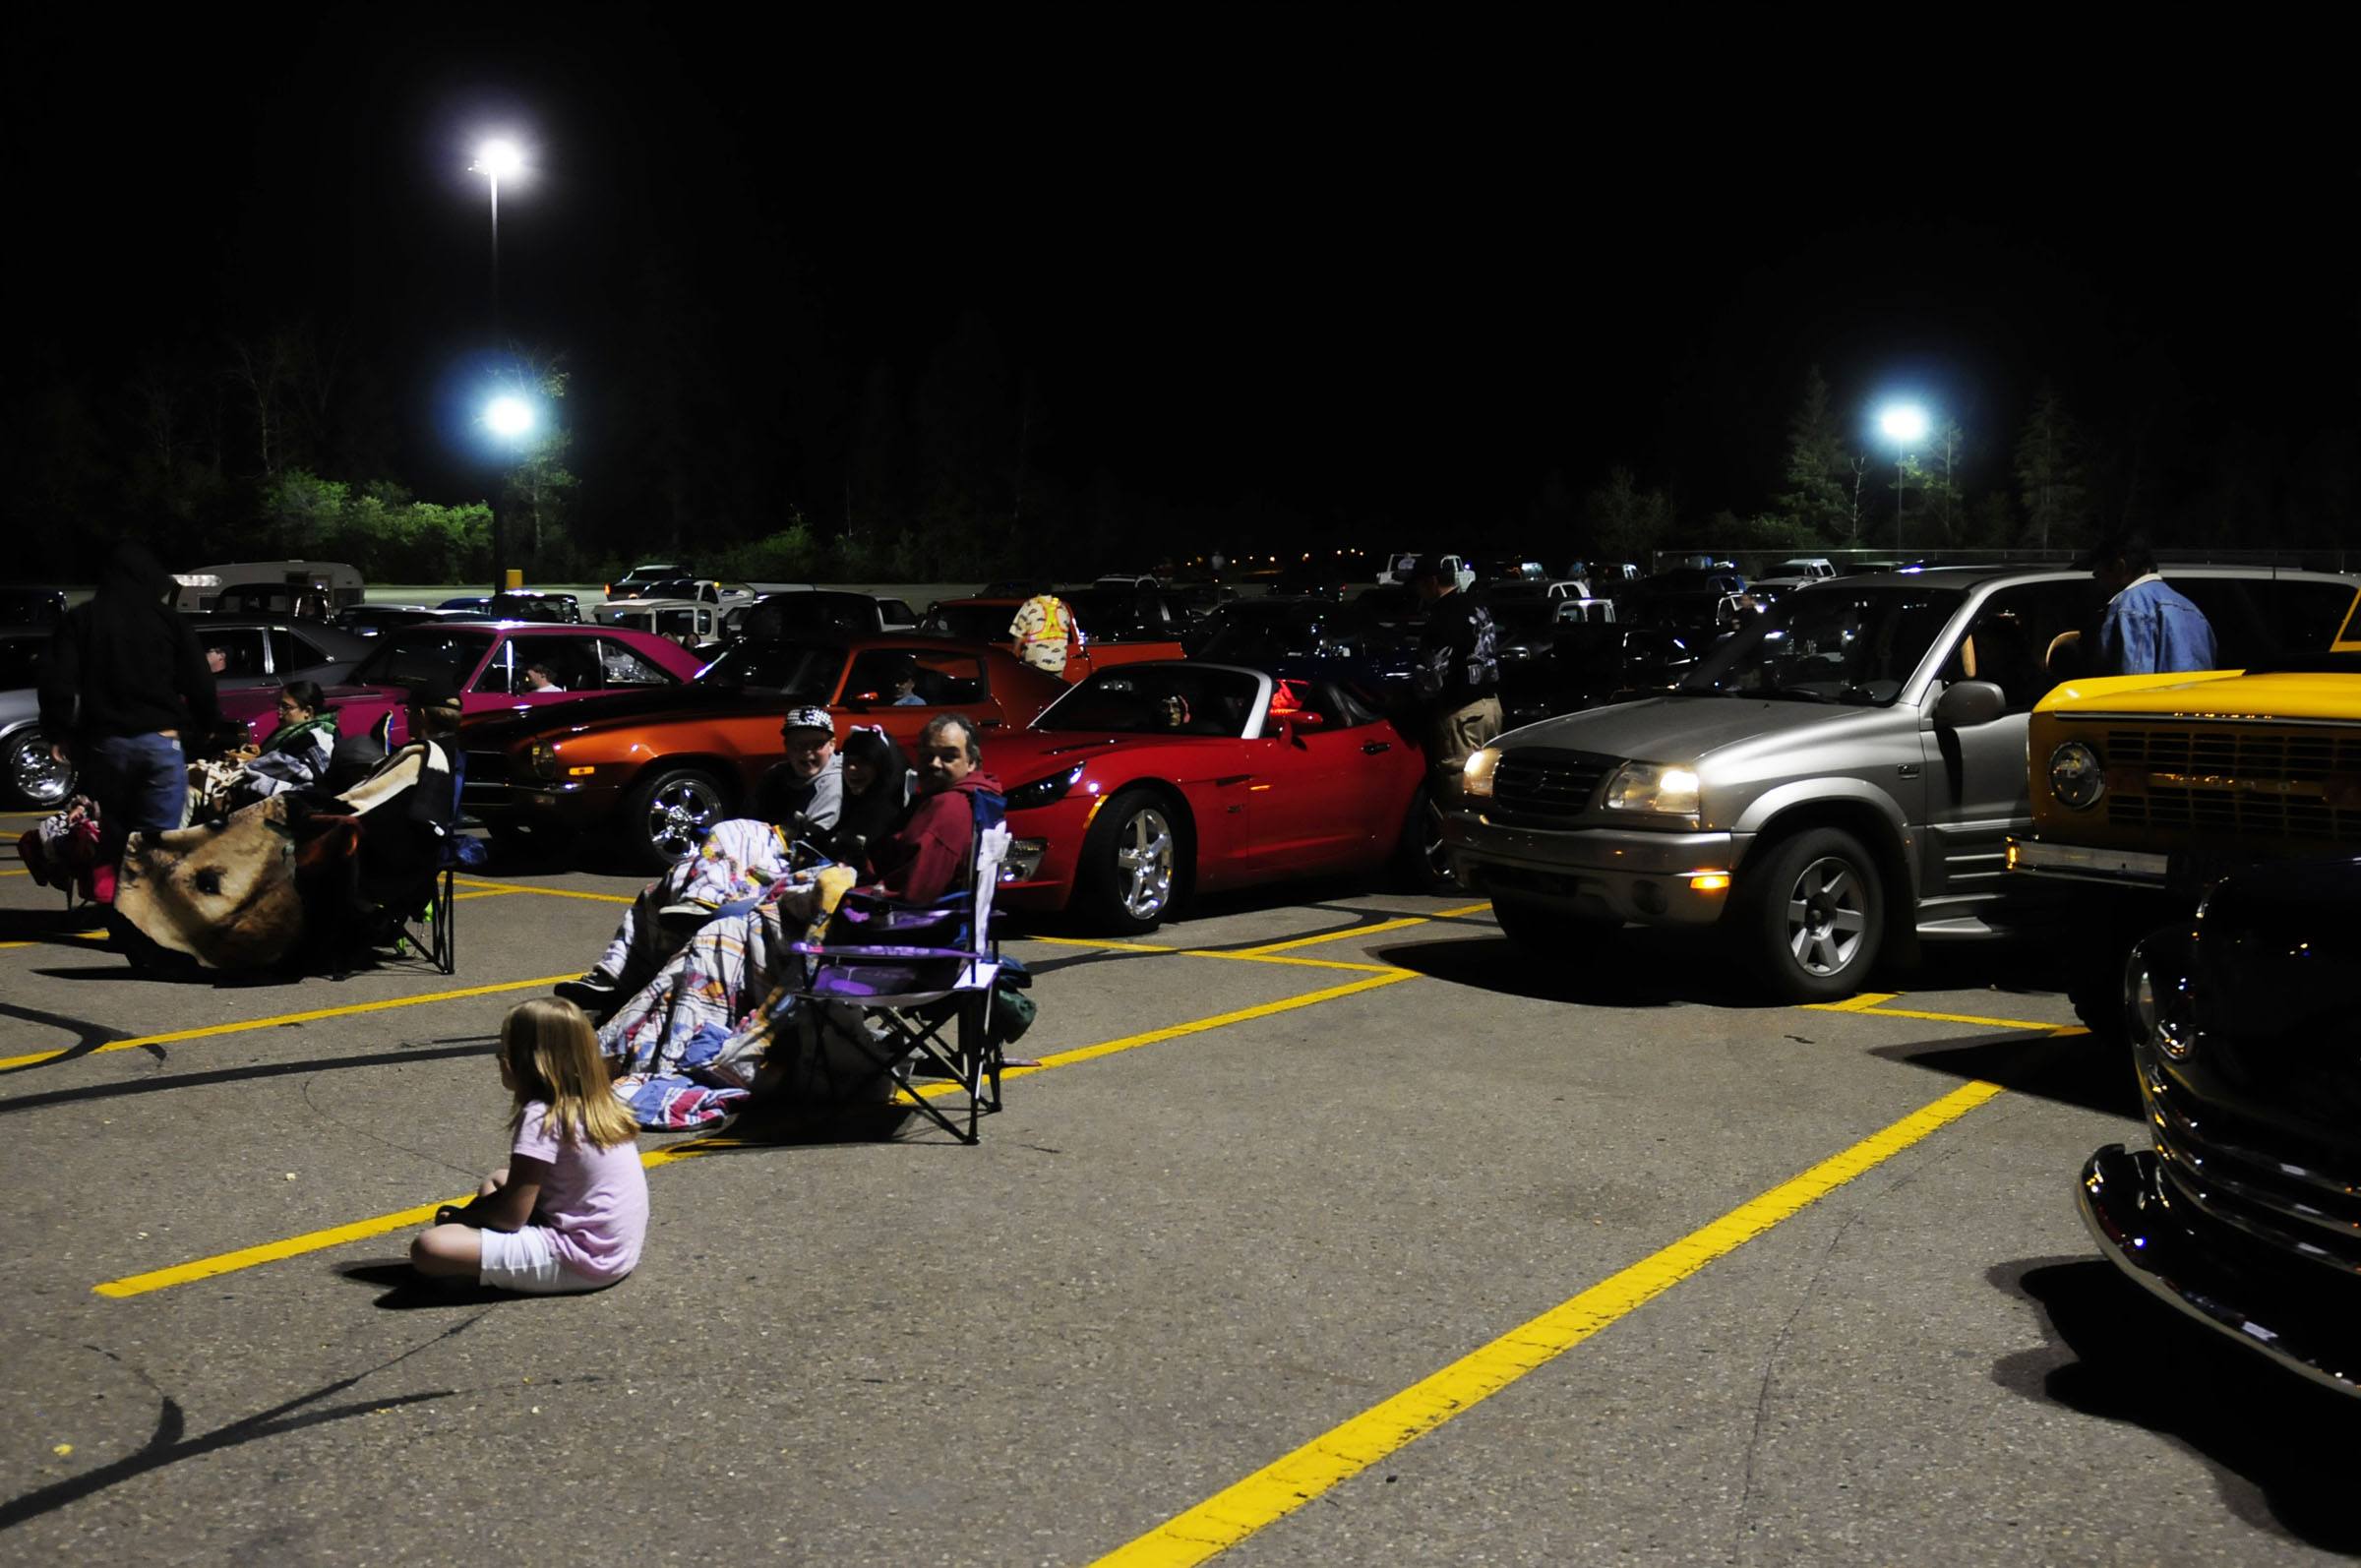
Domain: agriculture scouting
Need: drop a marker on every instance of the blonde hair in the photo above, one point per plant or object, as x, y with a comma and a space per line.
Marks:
552, 1053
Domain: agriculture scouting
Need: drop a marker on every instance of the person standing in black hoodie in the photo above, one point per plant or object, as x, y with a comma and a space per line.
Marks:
125, 681
1458, 674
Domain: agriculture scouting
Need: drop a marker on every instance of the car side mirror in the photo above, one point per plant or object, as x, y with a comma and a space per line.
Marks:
1286, 734
1964, 704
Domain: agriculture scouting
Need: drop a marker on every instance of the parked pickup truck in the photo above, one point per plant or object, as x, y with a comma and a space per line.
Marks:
1839, 778
2148, 788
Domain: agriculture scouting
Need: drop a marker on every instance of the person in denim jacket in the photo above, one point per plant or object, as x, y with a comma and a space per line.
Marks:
2146, 629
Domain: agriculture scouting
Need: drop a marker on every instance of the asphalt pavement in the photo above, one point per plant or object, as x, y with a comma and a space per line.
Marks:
1331, 1230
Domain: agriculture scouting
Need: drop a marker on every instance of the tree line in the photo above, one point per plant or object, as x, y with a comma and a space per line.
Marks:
280, 444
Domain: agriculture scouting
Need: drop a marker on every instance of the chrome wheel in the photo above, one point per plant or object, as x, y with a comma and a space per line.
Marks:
34, 775
1144, 863
678, 816
1828, 917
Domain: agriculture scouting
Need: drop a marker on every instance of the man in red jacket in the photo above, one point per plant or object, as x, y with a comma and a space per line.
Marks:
929, 855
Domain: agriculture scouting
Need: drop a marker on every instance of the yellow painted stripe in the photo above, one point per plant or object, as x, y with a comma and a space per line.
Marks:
1462, 910
336, 1236
1287, 1483
545, 892
1067, 1059
348, 1011
1256, 956
2051, 1026
1092, 941
1853, 1003
1334, 936
1872, 1004
16, 874
63, 935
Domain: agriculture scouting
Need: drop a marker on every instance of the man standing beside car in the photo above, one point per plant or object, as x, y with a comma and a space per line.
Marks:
1458, 674
124, 681
2146, 629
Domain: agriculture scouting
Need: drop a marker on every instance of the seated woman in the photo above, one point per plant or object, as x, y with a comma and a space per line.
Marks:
691, 1014
296, 754
738, 859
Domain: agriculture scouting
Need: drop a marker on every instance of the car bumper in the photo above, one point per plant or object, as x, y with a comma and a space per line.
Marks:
2084, 863
2234, 1288
576, 805
1653, 879
1045, 847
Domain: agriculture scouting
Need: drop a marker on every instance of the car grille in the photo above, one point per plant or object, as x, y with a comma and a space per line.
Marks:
2257, 783
2239, 1174
1537, 787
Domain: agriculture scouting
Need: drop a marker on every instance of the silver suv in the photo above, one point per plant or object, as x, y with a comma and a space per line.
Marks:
1842, 774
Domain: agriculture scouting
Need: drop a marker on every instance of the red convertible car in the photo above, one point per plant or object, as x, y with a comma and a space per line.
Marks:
485, 662
1149, 781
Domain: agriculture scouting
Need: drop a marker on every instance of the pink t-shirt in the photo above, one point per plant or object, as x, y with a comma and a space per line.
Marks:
593, 1201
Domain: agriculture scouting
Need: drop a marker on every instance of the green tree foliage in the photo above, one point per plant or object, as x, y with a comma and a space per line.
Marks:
2052, 483
1622, 522
537, 488
1813, 498
381, 530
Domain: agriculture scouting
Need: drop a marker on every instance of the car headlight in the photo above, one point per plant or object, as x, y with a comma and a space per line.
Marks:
1475, 775
1652, 788
1043, 791
2076, 777
544, 760
2160, 997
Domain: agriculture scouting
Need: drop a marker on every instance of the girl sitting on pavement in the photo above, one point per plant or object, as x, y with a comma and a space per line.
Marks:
569, 1210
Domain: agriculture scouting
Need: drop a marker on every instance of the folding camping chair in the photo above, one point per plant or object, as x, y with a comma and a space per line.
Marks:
427, 925
923, 975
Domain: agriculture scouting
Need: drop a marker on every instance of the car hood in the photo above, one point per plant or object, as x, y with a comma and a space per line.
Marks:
629, 711
1691, 729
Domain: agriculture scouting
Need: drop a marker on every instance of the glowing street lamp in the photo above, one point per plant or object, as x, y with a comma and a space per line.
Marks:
1905, 425
510, 417
496, 161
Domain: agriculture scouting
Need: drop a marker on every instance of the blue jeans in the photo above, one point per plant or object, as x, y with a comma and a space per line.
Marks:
141, 783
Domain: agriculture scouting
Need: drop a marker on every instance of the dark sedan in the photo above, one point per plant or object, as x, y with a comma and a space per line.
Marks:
1589, 665
2243, 1211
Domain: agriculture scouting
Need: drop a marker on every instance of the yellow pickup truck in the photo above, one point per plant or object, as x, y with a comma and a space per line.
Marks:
2148, 788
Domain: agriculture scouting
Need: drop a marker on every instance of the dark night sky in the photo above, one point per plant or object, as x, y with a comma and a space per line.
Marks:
1403, 277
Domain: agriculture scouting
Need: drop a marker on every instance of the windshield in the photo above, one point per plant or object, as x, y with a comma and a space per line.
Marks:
1831, 646
416, 656
1156, 700
788, 669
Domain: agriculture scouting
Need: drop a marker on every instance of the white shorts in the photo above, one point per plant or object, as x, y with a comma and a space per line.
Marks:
527, 1262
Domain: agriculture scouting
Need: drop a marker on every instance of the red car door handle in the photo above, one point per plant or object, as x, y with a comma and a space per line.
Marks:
1373, 748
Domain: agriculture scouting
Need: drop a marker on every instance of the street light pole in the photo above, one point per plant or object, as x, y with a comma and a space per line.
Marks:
492, 160
1905, 425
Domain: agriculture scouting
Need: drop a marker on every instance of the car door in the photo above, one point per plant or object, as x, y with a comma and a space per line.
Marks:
1306, 810
1977, 792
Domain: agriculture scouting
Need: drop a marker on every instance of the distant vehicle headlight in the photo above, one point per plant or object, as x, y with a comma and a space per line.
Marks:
1652, 788
2076, 777
1475, 775
1044, 791
545, 759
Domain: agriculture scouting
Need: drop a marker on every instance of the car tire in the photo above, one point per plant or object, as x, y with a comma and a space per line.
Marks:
31, 775
1547, 932
1422, 864
667, 814
1810, 916
1130, 867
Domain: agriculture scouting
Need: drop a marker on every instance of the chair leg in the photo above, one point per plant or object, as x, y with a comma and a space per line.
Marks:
446, 931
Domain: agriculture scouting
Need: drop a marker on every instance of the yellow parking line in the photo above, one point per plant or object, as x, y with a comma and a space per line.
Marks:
1337, 935
1252, 956
348, 1011
545, 892
1462, 910
1853, 1003
63, 935
1281, 1487
336, 1236
313, 1241
17, 872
